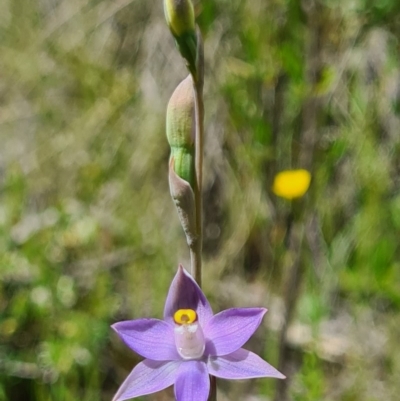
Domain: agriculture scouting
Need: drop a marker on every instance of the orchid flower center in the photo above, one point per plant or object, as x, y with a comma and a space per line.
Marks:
189, 337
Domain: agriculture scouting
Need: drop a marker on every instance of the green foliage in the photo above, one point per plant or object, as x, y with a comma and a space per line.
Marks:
310, 384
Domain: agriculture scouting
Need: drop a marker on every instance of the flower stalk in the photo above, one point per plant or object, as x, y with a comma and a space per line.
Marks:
181, 22
199, 145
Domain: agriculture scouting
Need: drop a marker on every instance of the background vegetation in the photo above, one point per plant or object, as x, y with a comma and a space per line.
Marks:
89, 235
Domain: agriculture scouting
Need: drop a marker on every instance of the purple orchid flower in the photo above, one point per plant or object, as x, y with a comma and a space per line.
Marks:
190, 344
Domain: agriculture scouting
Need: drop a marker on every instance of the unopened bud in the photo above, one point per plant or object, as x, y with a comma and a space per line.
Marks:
180, 129
179, 15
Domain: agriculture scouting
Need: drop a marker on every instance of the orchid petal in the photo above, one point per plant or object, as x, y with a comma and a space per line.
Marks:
184, 293
228, 330
241, 364
147, 377
150, 338
192, 382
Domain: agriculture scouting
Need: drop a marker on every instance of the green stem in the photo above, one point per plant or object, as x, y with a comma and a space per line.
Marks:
196, 248
294, 280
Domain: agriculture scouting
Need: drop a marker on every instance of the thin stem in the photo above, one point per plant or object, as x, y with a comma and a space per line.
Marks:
294, 280
213, 389
196, 251
196, 248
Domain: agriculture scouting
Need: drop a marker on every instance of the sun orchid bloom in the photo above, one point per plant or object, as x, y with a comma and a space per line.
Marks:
291, 184
190, 344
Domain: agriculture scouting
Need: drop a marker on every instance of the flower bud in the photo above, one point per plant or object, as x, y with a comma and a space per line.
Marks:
179, 15
180, 129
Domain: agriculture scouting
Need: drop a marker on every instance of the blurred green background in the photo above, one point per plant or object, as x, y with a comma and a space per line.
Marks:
89, 234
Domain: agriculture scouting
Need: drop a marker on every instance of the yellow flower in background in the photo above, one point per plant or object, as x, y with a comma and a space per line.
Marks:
291, 184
